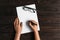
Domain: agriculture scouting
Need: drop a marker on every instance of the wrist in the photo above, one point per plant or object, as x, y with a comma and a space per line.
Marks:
35, 31
18, 33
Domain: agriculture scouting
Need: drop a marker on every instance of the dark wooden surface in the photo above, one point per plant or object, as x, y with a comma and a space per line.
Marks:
48, 15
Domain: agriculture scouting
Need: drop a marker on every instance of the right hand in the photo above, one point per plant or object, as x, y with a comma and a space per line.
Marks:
33, 24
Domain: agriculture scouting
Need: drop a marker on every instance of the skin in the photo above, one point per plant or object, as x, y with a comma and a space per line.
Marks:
18, 29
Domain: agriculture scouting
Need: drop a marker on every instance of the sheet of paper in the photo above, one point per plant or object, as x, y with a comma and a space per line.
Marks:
24, 16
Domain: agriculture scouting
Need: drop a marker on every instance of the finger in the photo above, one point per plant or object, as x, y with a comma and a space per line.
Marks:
18, 21
34, 22
30, 25
15, 21
21, 24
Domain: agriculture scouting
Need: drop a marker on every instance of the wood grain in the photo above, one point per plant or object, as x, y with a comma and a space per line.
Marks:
48, 15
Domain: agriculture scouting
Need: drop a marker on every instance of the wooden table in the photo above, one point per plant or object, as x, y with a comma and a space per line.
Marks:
48, 15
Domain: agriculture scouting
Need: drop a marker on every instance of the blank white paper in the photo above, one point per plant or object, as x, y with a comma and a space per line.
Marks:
24, 16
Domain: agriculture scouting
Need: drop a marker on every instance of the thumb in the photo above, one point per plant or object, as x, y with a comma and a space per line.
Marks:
30, 25
21, 24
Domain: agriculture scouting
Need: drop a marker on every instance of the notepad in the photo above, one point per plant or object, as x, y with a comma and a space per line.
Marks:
25, 13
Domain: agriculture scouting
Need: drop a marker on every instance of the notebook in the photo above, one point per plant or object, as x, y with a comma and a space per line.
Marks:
25, 13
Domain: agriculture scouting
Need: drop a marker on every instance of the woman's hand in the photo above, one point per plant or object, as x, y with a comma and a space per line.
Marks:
33, 24
17, 26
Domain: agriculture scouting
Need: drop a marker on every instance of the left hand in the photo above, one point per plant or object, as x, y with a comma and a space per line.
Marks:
17, 25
